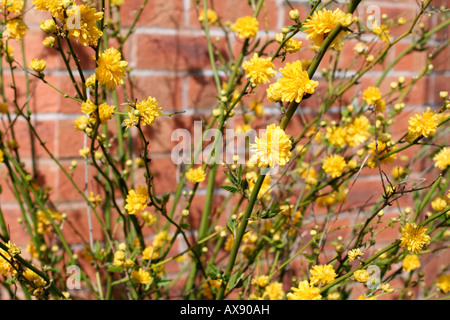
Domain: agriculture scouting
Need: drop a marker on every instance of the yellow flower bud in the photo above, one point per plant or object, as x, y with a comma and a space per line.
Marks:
98, 155
48, 26
37, 65
294, 14
439, 204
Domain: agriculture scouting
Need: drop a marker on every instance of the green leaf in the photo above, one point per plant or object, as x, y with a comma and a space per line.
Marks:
166, 197
163, 282
11, 281
231, 189
309, 257
236, 280
270, 213
232, 178
185, 226
213, 272
113, 268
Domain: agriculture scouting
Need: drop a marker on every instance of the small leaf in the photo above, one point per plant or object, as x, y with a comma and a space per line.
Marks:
236, 280
230, 189
213, 272
270, 213
115, 269
166, 197
185, 226
310, 258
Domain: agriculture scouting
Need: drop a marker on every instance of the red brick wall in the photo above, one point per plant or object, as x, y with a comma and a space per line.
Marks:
169, 58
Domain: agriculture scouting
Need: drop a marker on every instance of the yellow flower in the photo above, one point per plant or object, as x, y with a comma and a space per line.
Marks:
334, 165
211, 284
399, 172
265, 189
439, 204
322, 275
148, 110
411, 262
85, 29
196, 175
261, 281
31, 249
353, 254
106, 112
90, 82
132, 120
257, 107
14, 6
361, 275
361, 48
55, 7
81, 123
88, 107
13, 249
274, 148
4, 107
148, 218
211, 14
259, 70
274, 291
48, 42
381, 149
364, 297
228, 245
294, 83
150, 252
110, 69
5, 266
309, 174
95, 199
423, 125
336, 136
357, 131
304, 292
141, 276
242, 129
371, 95
321, 23
15, 29
288, 211
413, 237
30, 275
84, 152
442, 159
2, 157
136, 200
37, 65
43, 223
292, 45
274, 92
382, 32
443, 283
117, 3
119, 258
246, 27
161, 238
